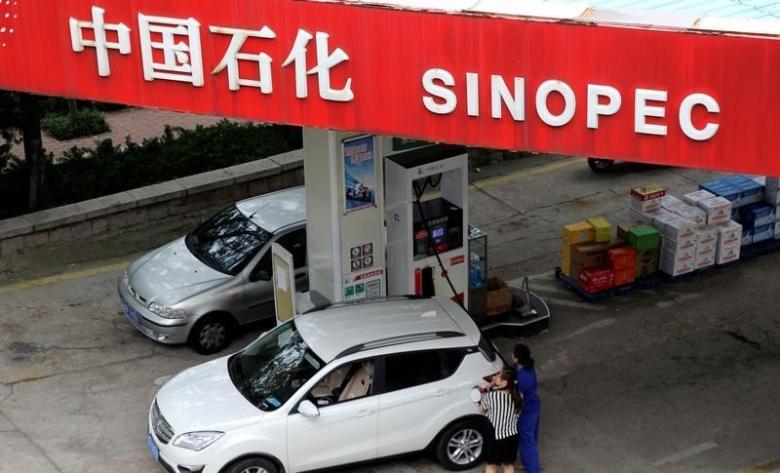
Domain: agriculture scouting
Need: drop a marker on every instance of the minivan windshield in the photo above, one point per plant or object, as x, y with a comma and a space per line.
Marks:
227, 241
272, 368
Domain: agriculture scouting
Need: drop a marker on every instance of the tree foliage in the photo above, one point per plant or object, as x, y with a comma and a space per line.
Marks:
86, 173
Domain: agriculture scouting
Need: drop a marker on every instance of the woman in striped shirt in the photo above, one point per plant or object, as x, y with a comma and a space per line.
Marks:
502, 404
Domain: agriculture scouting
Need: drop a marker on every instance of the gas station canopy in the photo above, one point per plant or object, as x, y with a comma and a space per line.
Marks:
693, 89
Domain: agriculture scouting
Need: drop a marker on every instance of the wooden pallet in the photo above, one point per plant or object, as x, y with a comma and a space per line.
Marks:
765, 247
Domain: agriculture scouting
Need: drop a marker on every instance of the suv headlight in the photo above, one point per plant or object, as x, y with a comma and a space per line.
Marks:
197, 441
167, 312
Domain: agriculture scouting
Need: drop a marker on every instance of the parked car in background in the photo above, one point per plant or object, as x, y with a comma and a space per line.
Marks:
600, 165
200, 288
350, 383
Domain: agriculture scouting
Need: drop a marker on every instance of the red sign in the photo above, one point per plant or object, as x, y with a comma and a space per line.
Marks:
679, 98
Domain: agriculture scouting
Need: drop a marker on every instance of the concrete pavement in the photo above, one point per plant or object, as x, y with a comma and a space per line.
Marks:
681, 378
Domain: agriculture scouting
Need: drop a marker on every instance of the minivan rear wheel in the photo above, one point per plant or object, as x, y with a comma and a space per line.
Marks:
211, 334
253, 465
461, 445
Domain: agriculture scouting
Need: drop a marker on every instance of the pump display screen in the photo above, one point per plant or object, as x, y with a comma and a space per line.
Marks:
444, 228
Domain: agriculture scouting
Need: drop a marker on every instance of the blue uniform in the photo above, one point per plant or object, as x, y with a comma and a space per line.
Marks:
528, 422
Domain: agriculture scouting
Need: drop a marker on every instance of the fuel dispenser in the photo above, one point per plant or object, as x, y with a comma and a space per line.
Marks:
426, 212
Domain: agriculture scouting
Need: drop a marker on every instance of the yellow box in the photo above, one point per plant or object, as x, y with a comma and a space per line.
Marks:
580, 232
602, 229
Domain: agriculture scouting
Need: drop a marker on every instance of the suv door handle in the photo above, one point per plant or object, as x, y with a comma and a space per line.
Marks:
364, 412
440, 392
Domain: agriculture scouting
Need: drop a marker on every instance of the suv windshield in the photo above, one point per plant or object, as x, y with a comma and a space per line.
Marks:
270, 370
227, 241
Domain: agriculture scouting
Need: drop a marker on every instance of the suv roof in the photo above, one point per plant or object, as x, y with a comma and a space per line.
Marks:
342, 330
276, 210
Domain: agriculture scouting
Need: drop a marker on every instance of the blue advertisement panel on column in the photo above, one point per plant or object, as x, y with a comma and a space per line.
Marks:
359, 173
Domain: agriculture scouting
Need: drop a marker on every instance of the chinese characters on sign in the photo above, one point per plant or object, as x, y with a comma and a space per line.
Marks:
178, 41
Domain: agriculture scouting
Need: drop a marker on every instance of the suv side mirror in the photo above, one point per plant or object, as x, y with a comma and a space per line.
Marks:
308, 409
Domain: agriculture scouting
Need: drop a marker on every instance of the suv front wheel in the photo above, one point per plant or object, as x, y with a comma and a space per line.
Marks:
460, 446
253, 465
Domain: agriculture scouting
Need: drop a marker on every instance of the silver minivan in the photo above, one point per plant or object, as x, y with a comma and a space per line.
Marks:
200, 288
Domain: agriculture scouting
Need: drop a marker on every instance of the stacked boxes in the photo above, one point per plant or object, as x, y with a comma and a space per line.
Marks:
574, 234
680, 242
646, 242
707, 247
622, 263
729, 242
758, 222
740, 190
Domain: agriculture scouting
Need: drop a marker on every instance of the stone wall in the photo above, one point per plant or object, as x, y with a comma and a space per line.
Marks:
138, 214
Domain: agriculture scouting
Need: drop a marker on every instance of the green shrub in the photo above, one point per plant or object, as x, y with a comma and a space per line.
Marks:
66, 126
85, 173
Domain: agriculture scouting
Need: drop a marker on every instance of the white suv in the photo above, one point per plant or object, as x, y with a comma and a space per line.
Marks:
347, 384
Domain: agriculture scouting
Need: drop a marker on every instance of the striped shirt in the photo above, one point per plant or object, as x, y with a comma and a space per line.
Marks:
501, 412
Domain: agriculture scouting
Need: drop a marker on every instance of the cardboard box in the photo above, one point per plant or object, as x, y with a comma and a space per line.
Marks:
677, 266
624, 276
662, 218
680, 230
694, 198
594, 280
499, 296
694, 214
646, 262
718, 210
729, 234
589, 254
580, 232
758, 214
621, 258
678, 254
708, 237
728, 254
704, 258
763, 232
646, 269
644, 238
650, 192
669, 202
646, 218
651, 205
602, 229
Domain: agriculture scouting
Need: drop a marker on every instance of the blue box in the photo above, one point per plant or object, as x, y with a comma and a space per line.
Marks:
757, 214
750, 193
763, 232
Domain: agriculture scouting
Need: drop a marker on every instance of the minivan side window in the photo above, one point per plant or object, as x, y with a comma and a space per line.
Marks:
406, 370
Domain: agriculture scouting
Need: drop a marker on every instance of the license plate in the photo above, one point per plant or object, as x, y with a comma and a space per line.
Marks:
132, 314
153, 449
